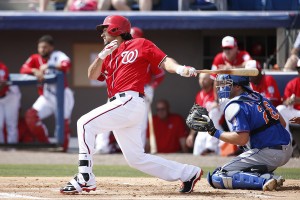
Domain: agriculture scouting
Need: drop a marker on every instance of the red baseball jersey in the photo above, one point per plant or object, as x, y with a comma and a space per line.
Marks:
36, 60
4, 76
205, 99
168, 133
269, 89
293, 88
126, 68
220, 59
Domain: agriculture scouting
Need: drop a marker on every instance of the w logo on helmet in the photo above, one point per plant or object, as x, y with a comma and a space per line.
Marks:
129, 56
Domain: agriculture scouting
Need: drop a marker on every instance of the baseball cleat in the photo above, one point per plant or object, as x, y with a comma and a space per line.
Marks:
79, 184
188, 186
270, 185
279, 181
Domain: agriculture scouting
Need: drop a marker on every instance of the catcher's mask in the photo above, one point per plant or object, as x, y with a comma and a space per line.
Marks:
225, 83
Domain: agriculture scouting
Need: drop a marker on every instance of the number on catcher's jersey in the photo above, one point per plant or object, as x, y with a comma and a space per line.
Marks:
273, 113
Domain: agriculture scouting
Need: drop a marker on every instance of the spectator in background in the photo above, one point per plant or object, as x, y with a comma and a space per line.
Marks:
291, 99
169, 130
10, 98
58, 4
204, 143
126, 5
47, 61
291, 62
197, 5
264, 84
231, 57
81, 5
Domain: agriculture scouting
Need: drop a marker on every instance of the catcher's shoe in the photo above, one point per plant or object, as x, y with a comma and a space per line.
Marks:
80, 183
279, 181
273, 185
270, 185
188, 186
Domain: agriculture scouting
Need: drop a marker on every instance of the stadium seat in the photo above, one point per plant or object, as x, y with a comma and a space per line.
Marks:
245, 5
282, 5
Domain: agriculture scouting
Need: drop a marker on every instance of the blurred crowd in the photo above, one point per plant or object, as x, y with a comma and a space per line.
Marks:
156, 5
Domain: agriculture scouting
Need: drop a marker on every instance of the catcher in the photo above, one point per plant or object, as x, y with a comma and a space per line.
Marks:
256, 126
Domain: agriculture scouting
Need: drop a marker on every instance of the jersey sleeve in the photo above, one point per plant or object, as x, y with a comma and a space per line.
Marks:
237, 117
216, 62
4, 76
153, 54
28, 66
276, 98
289, 90
60, 59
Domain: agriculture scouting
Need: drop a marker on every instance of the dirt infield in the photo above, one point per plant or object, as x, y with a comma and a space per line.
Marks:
133, 188
125, 188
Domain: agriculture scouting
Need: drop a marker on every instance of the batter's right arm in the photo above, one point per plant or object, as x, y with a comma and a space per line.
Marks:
94, 70
172, 66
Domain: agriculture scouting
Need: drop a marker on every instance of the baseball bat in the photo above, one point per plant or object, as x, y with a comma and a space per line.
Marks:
236, 71
152, 139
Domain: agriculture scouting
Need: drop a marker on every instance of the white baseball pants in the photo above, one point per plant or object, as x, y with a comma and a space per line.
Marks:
9, 114
124, 117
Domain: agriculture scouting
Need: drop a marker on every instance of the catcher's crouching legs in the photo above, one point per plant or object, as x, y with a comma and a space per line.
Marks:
84, 180
243, 180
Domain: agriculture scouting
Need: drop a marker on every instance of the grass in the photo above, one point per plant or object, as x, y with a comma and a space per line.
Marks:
32, 170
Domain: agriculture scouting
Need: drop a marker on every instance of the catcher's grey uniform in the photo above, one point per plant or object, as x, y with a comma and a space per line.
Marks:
269, 144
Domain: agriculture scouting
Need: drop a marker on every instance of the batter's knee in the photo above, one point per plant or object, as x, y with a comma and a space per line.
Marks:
135, 159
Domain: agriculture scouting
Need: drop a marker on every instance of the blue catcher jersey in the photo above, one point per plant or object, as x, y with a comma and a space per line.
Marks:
246, 114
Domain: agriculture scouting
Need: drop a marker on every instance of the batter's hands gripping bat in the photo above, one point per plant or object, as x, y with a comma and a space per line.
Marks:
236, 71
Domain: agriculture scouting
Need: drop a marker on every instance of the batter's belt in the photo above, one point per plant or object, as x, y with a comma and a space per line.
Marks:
123, 94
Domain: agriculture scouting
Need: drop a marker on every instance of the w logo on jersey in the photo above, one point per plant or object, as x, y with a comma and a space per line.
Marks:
129, 56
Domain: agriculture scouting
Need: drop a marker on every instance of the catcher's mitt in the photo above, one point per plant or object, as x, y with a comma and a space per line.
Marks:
198, 120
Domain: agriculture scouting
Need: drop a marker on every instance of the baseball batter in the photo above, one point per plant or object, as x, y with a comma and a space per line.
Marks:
47, 61
10, 97
152, 81
123, 63
257, 126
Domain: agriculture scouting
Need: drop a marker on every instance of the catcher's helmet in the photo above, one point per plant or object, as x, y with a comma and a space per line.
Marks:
136, 32
225, 83
115, 24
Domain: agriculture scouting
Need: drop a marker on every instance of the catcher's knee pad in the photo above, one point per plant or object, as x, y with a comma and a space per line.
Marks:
237, 180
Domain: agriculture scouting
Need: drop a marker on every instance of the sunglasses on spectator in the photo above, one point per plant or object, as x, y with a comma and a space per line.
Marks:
161, 109
226, 48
